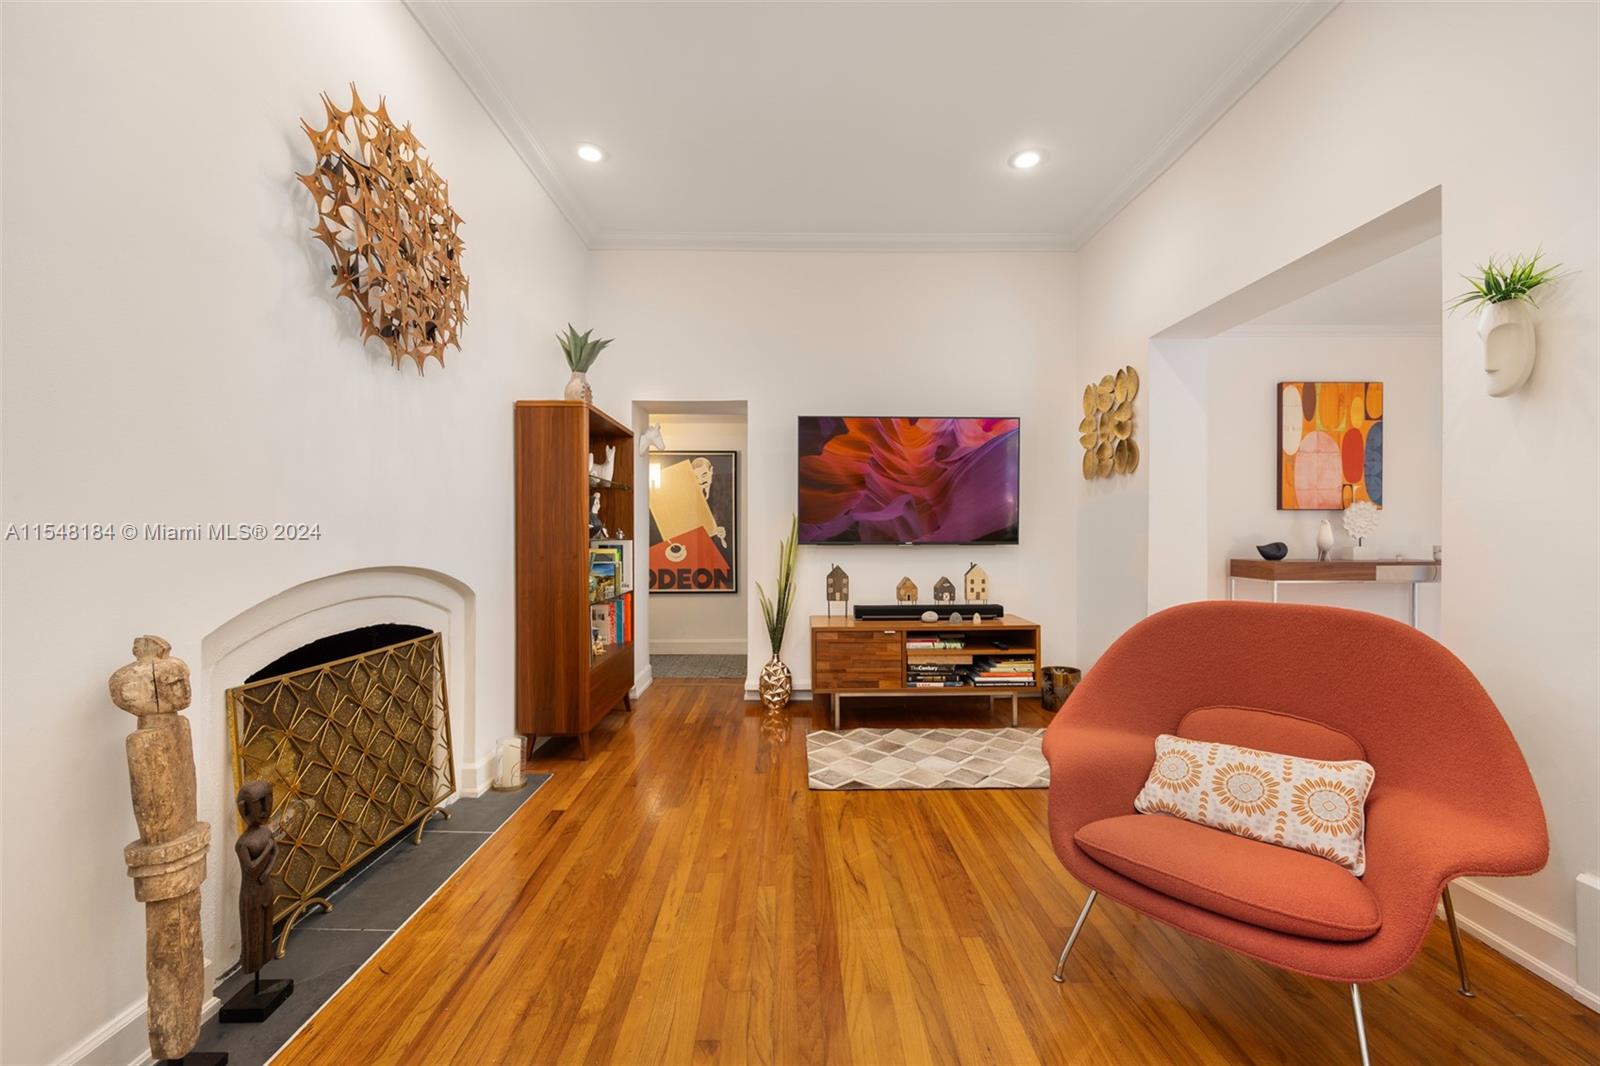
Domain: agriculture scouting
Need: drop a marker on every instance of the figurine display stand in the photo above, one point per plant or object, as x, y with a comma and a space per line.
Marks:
256, 1001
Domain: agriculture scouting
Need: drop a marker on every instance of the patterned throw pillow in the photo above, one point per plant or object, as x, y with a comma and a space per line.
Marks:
1305, 804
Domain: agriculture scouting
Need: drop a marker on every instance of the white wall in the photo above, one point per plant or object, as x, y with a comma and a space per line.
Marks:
1243, 369
703, 623
881, 333
1379, 104
172, 353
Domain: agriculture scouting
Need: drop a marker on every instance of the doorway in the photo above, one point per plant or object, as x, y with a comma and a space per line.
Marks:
1356, 325
694, 555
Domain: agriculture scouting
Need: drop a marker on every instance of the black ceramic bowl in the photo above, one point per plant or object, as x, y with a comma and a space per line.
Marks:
1274, 551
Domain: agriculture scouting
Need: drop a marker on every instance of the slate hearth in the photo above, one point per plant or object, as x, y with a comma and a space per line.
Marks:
325, 950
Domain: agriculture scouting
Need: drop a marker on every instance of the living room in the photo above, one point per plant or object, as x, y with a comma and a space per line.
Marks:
552, 483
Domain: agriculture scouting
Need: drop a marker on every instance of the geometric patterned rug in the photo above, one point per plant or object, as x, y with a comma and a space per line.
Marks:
926, 759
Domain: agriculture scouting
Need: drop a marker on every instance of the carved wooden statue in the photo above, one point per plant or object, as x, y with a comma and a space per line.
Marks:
257, 849
168, 861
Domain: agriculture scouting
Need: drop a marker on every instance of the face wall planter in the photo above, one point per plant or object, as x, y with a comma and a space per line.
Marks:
1506, 329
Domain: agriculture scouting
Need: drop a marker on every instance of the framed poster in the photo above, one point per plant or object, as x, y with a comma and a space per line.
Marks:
694, 517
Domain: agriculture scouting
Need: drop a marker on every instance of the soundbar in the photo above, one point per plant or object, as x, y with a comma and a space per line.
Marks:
911, 612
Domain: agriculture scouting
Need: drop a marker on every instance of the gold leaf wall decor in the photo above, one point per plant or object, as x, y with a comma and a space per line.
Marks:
384, 215
1106, 432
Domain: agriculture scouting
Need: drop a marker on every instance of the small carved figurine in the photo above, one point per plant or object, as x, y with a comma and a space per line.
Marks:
257, 849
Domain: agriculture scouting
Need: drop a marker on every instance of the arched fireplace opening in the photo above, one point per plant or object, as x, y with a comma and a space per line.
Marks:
338, 646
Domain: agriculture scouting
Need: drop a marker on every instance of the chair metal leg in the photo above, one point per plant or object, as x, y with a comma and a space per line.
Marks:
1072, 938
1455, 941
1361, 1026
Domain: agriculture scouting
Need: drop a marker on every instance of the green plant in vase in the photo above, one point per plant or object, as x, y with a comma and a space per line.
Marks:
776, 682
581, 352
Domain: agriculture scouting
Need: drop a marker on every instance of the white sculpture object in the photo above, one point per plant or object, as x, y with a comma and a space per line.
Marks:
651, 439
1506, 330
1360, 522
1324, 539
604, 470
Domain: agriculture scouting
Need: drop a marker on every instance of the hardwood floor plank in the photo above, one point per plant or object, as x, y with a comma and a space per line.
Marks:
684, 897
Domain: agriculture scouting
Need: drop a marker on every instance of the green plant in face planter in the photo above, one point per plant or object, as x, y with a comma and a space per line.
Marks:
1501, 294
776, 683
581, 352
1498, 281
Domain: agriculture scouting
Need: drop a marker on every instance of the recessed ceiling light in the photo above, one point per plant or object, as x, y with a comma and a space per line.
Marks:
1027, 159
590, 153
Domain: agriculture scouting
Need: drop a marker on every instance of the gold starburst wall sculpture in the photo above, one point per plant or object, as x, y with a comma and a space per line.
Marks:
1106, 432
384, 215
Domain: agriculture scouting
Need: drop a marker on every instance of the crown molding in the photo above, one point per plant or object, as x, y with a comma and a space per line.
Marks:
1240, 77
832, 242
1273, 329
438, 21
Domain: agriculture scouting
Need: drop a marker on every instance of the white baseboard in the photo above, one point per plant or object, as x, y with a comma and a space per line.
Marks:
126, 1038
753, 694
725, 646
1588, 934
475, 778
641, 681
1531, 941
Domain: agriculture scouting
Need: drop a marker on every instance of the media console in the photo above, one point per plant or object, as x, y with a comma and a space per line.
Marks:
891, 657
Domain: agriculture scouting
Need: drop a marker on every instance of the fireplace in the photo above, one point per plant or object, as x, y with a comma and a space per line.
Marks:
352, 730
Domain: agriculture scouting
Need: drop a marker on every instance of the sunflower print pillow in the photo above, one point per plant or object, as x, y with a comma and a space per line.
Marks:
1305, 804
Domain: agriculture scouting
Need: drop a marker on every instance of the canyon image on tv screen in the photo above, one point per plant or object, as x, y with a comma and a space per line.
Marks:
908, 480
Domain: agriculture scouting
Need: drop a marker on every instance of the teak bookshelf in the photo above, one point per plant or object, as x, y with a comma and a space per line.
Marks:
851, 657
563, 687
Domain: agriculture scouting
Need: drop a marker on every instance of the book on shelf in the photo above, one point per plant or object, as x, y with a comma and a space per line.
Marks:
609, 570
1009, 671
944, 641
612, 622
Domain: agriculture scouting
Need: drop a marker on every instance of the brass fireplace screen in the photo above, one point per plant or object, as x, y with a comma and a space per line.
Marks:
356, 750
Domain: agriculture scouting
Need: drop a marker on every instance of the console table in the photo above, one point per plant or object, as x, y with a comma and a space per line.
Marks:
869, 658
1414, 572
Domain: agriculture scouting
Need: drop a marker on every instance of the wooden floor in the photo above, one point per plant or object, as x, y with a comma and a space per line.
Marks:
683, 897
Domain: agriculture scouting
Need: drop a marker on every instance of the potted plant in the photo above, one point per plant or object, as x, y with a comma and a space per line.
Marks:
776, 683
1502, 293
581, 352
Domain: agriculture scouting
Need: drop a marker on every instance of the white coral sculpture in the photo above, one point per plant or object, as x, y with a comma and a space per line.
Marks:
1361, 520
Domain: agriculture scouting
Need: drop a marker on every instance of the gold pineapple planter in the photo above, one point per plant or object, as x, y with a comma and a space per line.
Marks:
776, 684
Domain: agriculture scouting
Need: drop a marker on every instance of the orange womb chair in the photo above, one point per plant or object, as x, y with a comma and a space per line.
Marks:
1452, 795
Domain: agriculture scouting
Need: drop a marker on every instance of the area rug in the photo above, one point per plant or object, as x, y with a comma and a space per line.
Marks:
697, 666
926, 759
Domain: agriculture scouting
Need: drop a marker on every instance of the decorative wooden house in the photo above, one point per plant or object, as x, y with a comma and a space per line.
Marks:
944, 591
838, 589
977, 584
906, 591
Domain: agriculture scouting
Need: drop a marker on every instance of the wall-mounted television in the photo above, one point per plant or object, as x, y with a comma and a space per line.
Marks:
909, 480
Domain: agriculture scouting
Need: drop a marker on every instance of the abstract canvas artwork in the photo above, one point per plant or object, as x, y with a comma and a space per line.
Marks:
1330, 444
909, 480
693, 521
